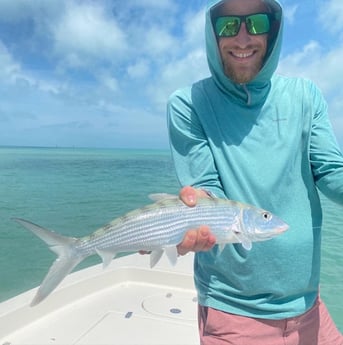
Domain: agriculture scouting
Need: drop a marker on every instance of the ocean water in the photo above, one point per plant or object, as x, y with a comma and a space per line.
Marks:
75, 191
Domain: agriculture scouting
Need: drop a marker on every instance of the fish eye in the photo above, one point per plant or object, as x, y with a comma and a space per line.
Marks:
266, 215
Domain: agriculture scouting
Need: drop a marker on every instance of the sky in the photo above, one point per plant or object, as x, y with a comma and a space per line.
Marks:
98, 73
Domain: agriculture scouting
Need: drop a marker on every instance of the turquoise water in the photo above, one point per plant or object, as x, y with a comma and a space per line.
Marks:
75, 191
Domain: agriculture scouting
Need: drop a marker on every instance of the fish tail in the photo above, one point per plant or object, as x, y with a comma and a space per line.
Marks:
64, 247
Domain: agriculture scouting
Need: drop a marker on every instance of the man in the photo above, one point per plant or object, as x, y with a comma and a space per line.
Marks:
250, 135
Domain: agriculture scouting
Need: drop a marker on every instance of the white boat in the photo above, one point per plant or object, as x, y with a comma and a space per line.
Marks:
127, 303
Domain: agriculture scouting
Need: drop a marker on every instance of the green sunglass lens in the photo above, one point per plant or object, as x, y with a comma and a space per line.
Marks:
258, 24
227, 26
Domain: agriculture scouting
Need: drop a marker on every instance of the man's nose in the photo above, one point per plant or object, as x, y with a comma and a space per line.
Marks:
243, 37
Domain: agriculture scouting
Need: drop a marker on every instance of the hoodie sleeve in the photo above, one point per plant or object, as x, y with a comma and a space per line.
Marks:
325, 155
191, 152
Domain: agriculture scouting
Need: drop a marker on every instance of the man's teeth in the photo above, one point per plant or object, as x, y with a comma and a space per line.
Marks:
242, 55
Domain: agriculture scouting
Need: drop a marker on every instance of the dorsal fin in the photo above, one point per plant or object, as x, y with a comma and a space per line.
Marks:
162, 196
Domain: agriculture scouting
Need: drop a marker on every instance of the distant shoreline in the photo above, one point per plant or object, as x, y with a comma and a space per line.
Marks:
84, 148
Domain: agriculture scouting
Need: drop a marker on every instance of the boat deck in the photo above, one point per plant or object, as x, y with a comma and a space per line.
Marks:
127, 303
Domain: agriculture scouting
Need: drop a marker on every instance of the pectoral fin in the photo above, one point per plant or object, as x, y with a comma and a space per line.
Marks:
246, 243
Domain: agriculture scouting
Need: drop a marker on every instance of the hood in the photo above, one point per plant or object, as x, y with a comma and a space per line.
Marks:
255, 91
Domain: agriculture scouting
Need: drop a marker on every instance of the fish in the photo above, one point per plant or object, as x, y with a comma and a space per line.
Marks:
156, 228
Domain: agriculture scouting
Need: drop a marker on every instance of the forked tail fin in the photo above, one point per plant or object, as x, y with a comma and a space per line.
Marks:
64, 247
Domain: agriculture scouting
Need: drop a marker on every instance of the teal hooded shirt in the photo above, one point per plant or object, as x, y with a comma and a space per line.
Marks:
268, 143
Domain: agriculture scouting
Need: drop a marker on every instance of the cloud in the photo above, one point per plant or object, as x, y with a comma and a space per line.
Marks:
12, 73
89, 72
86, 35
21, 10
10, 69
331, 16
139, 70
290, 12
186, 65
152, 4
158, 41
110, 82
324, 67
177, 74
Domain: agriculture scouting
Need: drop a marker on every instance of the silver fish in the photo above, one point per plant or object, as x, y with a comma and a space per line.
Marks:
158, 228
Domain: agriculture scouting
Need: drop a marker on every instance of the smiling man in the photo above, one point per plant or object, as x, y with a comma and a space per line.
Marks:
242, 53
248, 134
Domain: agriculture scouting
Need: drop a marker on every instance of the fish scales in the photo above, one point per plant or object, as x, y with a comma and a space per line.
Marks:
157, 227
158, 224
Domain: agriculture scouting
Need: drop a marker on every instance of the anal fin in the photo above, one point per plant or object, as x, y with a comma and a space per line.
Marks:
155, 257
106, 256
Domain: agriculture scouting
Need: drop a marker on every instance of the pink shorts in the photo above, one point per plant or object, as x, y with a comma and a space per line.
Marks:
315, 327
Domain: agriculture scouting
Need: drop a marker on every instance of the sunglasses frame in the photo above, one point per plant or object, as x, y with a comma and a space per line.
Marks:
244, 19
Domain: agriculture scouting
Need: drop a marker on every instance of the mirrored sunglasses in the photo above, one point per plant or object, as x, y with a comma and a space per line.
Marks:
256, 24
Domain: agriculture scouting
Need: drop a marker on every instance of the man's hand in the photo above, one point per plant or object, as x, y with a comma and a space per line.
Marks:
200, 239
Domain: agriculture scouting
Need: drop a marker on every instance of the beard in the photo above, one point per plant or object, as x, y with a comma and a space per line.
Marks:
240, 75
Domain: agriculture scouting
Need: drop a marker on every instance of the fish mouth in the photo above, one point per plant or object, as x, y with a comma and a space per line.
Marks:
283, 228
280, 229
276, 231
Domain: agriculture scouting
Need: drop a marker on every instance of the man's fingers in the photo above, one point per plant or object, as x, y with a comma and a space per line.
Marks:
188, 243
188, 195
205, 239
197, 240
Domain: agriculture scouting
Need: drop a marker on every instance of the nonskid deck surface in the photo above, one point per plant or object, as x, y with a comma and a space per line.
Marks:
128, 303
